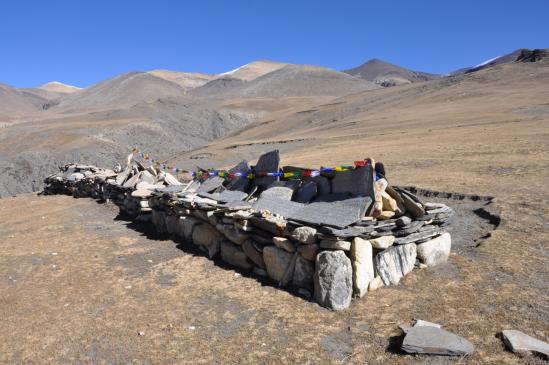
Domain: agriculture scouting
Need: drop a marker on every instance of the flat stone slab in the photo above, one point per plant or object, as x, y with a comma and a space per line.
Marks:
276, 205
339, 214
435, 341
225, 196
517, 341
211, 184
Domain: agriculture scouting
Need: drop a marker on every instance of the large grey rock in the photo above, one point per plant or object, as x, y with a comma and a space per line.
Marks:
206, 235
172, 225
308, 252
395, 262
276, 261
233, 254
333, 280
254, 252
304, 271
232, 233
517, 341
335, 245
435, 341
435, 251
363, 265
305, 235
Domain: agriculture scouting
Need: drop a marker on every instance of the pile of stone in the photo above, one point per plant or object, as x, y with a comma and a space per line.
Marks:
315, 235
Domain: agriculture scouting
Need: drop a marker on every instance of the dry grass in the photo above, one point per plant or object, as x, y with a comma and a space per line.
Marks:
494, 143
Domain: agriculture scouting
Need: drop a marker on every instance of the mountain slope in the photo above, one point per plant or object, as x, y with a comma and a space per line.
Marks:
288, 81
186, 80
121, 91
18, 101
520, 55
387, 74
59, 87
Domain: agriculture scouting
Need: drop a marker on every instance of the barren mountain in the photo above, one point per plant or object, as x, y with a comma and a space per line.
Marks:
287, 81
58, 87
187, 80
17, 101
520, 55
121, 91
253, 70
387, 74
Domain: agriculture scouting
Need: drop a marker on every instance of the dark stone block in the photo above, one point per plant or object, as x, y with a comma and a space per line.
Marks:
306, 192
239, 183
267, 162
359, 182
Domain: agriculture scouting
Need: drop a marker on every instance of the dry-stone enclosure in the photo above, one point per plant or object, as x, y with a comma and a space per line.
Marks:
314, 234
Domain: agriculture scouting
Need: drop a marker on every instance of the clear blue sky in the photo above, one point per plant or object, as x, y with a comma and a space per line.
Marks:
83, 42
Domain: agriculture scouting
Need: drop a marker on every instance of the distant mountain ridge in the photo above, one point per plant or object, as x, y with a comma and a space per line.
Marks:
387, 74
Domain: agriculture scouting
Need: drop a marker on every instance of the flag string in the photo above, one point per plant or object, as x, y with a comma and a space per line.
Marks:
250, 174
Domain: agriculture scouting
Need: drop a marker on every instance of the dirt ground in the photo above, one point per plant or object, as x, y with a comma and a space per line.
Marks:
81, 286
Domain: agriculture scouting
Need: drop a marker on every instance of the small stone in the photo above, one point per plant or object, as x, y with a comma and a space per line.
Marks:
205, 235
363, 265
303, 273
395, 262
284, 244
276, 261
305, 235
435, 341
376, 283
420, 323
517, 341
435, 251
308, 252
335, 245
383, 242
141, 333
403, 221
333, 280
386, 214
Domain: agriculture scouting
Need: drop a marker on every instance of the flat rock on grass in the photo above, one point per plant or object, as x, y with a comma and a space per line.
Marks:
435, 341
517, 341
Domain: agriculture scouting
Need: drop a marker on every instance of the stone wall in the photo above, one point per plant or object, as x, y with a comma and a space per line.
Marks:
329, 263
